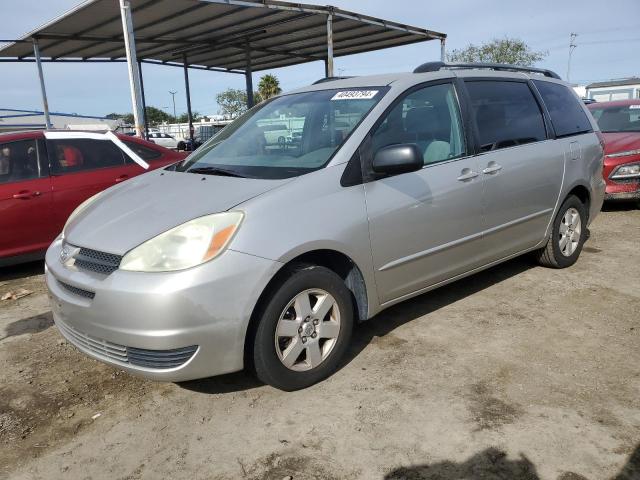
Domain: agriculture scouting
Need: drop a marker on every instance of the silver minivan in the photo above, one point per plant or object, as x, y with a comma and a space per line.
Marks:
263, 254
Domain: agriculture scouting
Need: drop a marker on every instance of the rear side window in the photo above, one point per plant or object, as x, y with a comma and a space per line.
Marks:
567, 115
506, 114
77, 155
143, 152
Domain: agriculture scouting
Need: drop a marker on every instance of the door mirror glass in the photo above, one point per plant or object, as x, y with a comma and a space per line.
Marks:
396, 159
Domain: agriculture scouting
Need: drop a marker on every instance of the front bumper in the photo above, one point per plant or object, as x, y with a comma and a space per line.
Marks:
629, 190
199, 315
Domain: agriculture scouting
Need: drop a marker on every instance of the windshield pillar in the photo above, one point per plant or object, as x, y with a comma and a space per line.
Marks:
249, 77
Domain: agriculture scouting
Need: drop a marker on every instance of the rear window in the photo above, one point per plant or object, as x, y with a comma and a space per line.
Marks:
567, 115
143, 152
506, 114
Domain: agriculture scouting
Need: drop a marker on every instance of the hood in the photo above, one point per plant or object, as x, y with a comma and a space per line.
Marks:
139, 209
615, 142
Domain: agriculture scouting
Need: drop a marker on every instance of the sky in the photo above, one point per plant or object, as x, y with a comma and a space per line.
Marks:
608, 47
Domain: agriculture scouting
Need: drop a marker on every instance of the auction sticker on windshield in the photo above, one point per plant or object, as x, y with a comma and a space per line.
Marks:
355, 95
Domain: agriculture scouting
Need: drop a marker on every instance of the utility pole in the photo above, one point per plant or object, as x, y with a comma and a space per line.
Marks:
572, 47
173, 97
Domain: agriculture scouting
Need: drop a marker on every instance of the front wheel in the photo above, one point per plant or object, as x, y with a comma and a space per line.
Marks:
304, 329
568, 234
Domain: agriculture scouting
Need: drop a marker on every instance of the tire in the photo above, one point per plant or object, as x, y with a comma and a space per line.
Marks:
554, 254
181, 145
305, 353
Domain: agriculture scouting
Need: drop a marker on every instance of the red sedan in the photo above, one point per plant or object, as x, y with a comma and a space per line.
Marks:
43, 180
619, 122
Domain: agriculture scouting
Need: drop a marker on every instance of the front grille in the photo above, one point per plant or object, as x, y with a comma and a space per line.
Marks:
156, 359
95, 261
102, 348
77, 291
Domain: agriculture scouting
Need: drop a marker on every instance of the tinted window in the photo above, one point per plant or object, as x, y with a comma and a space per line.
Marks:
567, 115
428, 117
621, 118
143, 152
506, 114
18, 161
68, 156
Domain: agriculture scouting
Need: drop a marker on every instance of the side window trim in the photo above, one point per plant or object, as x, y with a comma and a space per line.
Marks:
550, 134
548, 125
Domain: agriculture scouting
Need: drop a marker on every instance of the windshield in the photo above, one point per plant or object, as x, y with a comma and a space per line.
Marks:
285, 137
624, 118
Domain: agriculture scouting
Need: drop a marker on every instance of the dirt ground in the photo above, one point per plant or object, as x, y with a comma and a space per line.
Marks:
519, 372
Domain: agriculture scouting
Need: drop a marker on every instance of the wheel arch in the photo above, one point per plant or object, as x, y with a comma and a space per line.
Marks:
334, 260
583, 193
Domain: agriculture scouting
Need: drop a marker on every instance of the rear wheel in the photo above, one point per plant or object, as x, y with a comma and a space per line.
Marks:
304, 329
568, 234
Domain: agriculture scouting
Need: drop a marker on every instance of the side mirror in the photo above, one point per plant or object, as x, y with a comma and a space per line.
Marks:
396, 159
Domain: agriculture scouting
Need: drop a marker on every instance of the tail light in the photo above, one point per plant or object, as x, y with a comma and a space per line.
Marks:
601, 140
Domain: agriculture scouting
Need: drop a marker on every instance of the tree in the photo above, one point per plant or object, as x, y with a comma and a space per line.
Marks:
507, 50
269, 86
233, 101
184, 117
155, 116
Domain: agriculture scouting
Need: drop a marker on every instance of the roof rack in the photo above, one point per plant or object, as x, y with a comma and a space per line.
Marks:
329, 79
503, 67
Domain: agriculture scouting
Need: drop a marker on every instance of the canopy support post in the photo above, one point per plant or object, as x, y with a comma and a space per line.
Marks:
132, 63
144, 102
443, 51
45, 103
248, 74
328, 65
188, 92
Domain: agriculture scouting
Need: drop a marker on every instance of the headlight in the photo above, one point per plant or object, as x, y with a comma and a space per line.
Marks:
623, 154
626, 171
184, 246
78, 210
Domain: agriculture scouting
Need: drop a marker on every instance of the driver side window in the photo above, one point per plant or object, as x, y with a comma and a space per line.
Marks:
428, 117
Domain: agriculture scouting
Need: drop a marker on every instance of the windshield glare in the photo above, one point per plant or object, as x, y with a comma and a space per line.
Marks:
625, 118
285, 137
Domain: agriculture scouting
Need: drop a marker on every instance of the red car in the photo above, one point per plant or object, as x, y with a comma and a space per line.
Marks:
619, 122
43, 180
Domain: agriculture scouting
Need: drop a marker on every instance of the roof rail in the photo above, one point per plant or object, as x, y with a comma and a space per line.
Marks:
329, 79
504, 67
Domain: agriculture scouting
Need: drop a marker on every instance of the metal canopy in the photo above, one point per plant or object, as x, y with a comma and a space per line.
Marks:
212, 34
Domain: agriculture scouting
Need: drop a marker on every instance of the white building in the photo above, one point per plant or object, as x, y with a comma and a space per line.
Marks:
12, 120
614, 89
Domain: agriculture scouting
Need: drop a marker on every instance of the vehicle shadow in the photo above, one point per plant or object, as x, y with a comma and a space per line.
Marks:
493, 464
620, 206
23, 270
34, 324
229, 383
427, 303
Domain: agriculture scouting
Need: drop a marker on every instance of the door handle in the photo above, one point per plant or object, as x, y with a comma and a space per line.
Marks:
121, 178
26, 195
467, 174
492, 168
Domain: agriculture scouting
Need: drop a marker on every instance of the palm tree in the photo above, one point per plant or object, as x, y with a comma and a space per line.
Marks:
269, 86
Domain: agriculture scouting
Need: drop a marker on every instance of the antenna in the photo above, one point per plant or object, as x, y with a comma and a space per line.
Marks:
572, 47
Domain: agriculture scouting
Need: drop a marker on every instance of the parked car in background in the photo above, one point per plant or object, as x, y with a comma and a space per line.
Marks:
189, 145
42, 181
619, 122
164, 140
243, 255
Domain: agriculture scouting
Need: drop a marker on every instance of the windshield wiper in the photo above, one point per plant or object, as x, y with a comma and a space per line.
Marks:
216, 171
